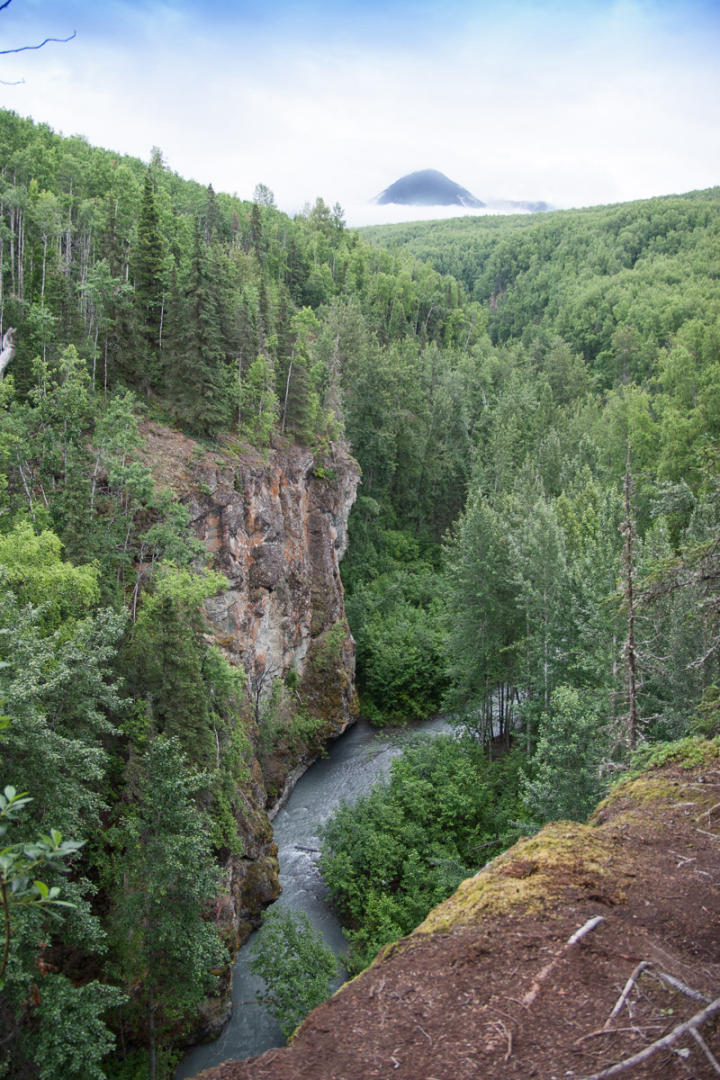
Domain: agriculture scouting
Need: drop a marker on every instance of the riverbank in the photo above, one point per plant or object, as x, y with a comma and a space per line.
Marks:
356, 760
521, 972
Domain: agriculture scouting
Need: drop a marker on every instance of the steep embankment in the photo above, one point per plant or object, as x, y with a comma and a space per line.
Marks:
275, 526
490, 986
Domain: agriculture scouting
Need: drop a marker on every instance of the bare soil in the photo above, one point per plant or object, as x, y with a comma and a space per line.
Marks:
489, 989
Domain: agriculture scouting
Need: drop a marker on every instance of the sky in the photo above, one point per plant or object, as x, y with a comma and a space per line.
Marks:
574, 103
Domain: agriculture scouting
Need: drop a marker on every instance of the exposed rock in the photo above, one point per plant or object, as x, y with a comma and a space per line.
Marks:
276, 527
497, 983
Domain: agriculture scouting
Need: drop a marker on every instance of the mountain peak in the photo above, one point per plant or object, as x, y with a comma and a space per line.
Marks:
428, 187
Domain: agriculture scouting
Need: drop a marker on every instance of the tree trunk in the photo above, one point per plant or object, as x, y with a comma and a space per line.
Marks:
151, 1033
627, 529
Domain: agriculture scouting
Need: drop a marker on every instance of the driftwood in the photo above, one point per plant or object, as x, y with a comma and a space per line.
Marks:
8, 349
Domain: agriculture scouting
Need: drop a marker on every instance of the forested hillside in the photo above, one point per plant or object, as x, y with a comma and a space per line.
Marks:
534, 545
140, 301
571, 610
599, 353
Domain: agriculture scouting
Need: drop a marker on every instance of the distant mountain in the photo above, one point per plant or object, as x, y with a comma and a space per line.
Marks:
427, 188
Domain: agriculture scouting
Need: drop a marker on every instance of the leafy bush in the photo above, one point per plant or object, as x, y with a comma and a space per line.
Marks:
296, 966
404, 847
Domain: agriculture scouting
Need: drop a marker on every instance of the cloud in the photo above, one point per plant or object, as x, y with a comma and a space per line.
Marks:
574, 104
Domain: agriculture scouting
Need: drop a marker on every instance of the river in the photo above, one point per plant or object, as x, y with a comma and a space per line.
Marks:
355, 761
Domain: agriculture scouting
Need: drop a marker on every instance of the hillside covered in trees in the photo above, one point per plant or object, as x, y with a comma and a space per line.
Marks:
534, 404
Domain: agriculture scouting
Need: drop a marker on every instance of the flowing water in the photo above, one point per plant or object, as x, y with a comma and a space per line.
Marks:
355, 761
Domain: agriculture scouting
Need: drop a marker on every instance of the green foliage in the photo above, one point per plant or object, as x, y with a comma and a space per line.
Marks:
136, 1064
490, 412
296, 966
185, 688
398, 851
284, 722
165, 658
33, 569
59, 690
564, 772
327, 656
19, 863
258, 404
162, 876
398, 636
688, 753
72, 1038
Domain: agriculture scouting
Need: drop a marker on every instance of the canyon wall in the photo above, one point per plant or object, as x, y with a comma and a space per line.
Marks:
275, 525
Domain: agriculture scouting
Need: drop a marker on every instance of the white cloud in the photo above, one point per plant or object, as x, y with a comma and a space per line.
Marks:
574, 105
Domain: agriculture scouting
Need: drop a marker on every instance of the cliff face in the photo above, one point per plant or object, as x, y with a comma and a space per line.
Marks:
275, 525
585, 951
277, 532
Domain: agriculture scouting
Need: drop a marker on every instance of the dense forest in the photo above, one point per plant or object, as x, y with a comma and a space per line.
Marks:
534, 403
570, 612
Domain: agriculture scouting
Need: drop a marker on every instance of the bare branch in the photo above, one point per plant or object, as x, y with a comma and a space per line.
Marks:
706, 1050
28, 48
626, 992
681, 986
540, 978
689, 1026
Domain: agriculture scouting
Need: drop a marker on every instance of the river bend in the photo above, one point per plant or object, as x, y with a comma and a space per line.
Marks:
355, 761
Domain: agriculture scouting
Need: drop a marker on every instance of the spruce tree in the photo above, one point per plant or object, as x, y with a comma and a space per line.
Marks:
148, 265
199, 379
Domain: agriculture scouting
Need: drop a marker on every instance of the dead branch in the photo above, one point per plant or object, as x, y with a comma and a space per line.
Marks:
677, 985
636, 1028
684, 859
706, 1050
627, 989
588, 926
28, 48
534, 990
694, 1022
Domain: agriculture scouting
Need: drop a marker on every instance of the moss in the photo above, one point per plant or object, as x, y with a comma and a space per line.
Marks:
532, 875
664, 777
328, 652
688, 753
565, 856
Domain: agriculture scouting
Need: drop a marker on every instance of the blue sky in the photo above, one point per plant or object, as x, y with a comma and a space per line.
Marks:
575, 103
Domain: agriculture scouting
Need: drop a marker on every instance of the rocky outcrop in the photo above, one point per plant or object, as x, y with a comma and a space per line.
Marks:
277, 531
275, 524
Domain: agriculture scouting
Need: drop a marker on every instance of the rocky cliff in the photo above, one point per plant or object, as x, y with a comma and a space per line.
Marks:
585, 951
275, 525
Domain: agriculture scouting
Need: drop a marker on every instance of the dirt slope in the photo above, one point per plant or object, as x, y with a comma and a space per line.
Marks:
488, 986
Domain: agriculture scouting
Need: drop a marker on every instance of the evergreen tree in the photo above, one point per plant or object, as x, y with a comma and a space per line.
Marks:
199, 379
296, 966
163, 876
564, 779
149, 293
